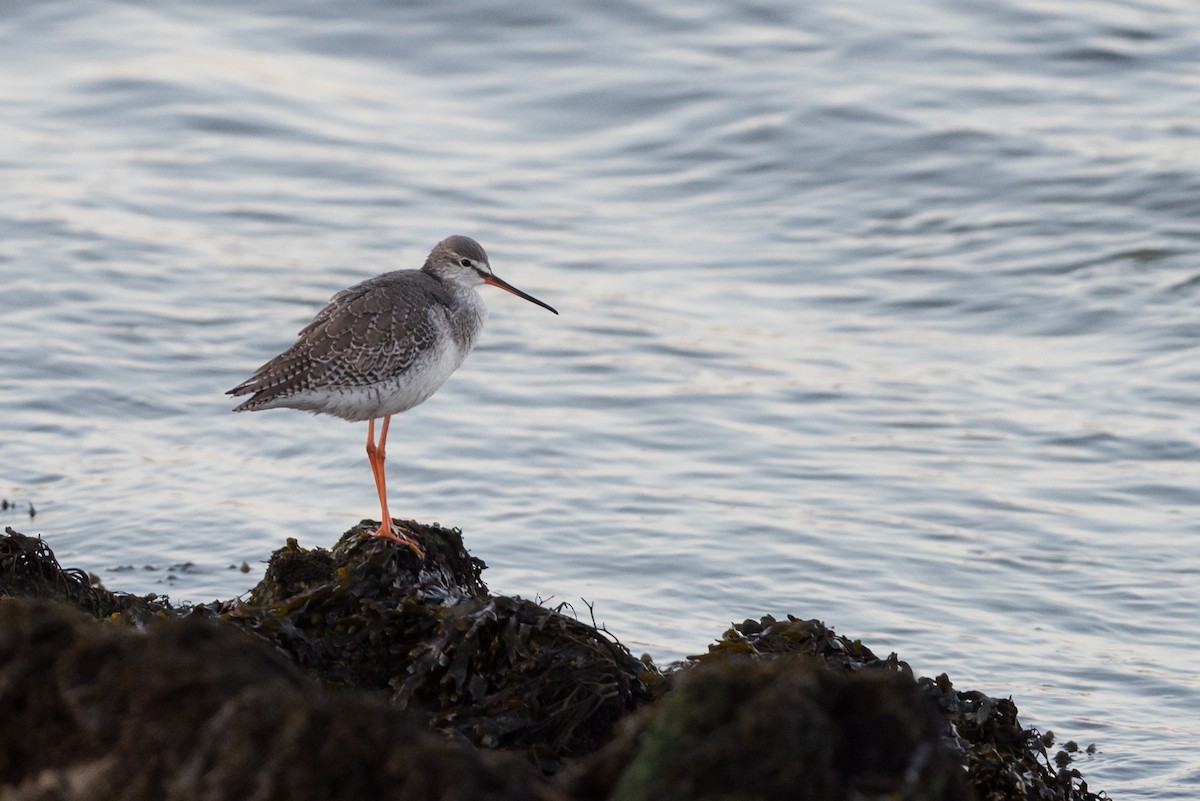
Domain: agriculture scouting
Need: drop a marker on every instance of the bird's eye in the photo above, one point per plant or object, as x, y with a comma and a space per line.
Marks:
465, 262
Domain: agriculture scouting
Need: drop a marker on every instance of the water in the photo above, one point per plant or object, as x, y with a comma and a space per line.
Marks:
880, 314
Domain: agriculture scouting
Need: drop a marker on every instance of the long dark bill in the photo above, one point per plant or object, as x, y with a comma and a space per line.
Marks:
494, 281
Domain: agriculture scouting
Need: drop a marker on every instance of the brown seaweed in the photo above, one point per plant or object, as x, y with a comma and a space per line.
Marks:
363, 671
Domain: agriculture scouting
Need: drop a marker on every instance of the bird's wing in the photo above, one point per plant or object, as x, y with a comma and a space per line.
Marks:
368, 333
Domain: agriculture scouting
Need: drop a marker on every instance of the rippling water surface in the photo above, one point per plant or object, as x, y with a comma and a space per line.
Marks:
884, 316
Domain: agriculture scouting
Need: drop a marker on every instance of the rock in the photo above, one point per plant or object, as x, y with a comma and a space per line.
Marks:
501, 672
364, 671
787, 728
193, 709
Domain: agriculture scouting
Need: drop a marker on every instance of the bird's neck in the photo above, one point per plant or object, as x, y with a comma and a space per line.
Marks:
468, 314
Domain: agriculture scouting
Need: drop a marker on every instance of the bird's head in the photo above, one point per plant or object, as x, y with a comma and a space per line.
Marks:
461, 260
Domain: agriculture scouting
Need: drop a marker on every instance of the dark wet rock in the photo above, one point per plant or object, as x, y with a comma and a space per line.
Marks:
770, 637
364, 671
1003, 759
28, 569
787, 728
192, 709
501, 672
870, 730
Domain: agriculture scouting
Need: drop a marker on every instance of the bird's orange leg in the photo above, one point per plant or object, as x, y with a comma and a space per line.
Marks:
373, 458
376, 455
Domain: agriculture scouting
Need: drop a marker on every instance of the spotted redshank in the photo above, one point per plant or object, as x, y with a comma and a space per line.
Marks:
381, 347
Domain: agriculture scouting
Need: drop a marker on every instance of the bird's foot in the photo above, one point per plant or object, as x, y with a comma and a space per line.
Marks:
388, 531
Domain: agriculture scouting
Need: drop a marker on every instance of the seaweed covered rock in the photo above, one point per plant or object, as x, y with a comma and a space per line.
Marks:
1003, 759
876, 732
28, 569
180, 703
783, 728
770, 637
191, 709
502, 672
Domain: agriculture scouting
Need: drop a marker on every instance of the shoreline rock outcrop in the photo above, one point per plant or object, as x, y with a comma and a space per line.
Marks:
365, 672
